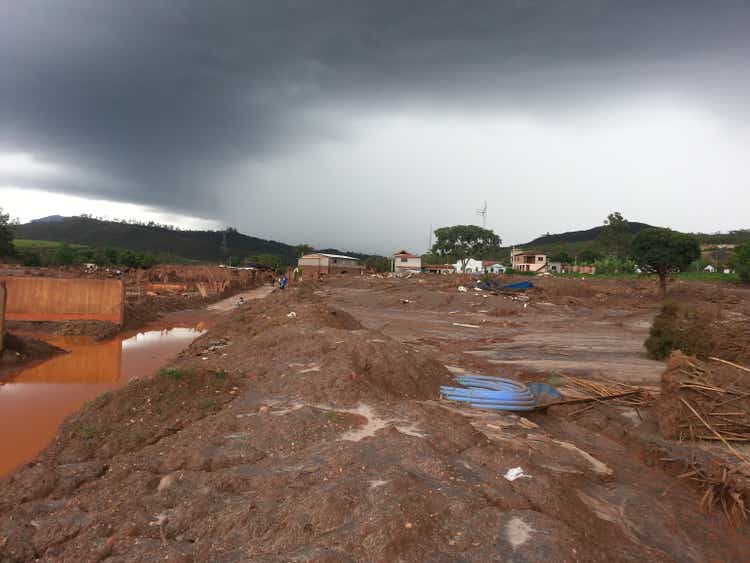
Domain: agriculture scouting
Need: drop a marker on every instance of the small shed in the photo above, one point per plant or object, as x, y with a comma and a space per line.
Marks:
320, 264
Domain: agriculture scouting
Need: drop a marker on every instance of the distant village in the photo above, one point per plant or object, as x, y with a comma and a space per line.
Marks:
403, 262
318, 264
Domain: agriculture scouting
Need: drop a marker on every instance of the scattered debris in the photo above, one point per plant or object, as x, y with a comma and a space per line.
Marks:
292, 315
466, 325
462, 289
516, 473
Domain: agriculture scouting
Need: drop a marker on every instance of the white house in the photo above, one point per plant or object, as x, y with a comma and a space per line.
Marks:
492, 267
472, 266
404, 261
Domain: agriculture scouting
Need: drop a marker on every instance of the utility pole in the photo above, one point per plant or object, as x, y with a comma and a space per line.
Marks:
483, 213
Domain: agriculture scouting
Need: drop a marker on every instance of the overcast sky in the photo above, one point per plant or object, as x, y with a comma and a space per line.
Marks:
361, 124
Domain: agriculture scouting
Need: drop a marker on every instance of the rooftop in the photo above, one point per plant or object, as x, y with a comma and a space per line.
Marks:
406, 254
315, 254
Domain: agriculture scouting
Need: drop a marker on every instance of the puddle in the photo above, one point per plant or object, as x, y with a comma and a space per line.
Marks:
34, 402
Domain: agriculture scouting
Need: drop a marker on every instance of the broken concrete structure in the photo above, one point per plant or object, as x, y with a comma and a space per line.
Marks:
64, 299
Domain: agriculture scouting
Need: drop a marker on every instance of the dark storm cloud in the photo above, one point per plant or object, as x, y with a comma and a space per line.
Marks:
152, 102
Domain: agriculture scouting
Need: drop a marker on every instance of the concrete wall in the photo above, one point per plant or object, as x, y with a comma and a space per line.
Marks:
64, 299
2, 315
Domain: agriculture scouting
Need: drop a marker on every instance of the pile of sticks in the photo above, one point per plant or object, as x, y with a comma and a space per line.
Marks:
723, 487
594, 392
714, 411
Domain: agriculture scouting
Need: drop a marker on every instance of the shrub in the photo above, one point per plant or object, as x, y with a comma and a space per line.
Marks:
742, 261
679, 328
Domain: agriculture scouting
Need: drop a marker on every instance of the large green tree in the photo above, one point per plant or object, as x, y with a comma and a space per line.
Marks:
742, 261
462, 242
302, 249
563, 257
6, 236
588, 256
615, 237
664, 251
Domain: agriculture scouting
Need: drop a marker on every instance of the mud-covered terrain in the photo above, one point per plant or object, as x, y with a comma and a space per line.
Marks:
21, 351
308, 426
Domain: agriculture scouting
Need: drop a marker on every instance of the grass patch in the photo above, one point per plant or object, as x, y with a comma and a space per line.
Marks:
86, 432
175, 373
31, 244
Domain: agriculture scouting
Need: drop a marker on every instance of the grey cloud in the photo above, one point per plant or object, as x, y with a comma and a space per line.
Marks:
158, 101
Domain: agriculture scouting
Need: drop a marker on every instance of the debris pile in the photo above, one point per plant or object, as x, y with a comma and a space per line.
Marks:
586, 390
710, 401
705, 400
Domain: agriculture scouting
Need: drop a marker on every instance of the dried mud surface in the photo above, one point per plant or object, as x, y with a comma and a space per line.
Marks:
320, 436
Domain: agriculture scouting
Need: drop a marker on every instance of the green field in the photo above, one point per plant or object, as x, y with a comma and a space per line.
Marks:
29, 244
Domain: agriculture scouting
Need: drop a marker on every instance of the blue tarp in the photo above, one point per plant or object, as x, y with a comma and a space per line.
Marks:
520, 286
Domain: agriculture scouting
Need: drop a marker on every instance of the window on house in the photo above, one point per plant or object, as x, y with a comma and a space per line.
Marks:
404, 259
540, 258
335, 261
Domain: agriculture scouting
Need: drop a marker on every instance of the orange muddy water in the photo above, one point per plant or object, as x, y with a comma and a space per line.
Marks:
35, 401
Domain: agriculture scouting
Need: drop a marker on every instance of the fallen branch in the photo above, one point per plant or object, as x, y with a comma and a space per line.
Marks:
739, 456
590, 399
743, 368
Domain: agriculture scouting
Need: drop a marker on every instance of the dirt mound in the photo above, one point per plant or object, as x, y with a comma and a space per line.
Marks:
311, 350
140, 310
731, 339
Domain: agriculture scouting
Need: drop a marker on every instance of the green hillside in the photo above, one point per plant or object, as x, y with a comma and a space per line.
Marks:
575, 242
204, 246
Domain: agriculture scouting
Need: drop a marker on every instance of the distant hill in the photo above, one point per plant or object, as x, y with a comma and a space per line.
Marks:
574, 242
206, 246
589, 235
49, 219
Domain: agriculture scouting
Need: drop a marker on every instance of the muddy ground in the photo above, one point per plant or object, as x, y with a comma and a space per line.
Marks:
20, 351
320, 436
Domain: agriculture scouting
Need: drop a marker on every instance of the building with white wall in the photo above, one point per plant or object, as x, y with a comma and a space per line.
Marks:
404, 261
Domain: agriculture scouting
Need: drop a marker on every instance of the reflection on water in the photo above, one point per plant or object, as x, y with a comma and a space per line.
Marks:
35, 402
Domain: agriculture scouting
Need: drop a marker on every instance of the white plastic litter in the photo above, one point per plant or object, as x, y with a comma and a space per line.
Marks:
292, 315
462, 289
516, 473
